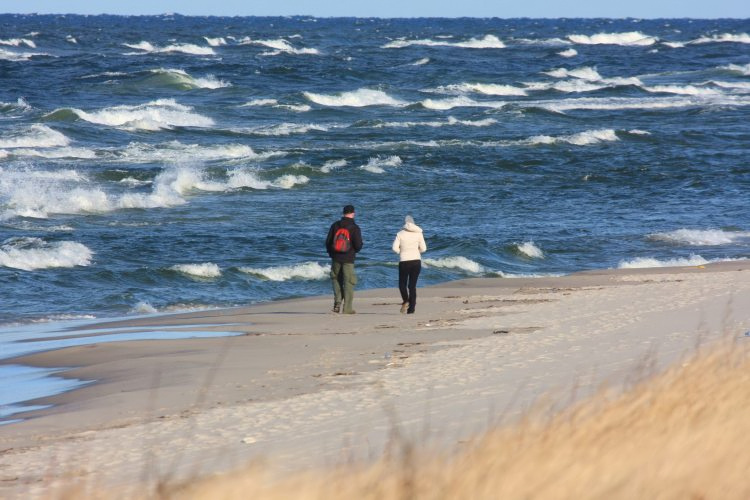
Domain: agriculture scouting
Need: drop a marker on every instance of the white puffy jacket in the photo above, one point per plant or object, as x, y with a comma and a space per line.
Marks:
409, 242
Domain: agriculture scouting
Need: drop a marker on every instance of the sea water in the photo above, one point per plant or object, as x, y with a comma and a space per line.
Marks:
169, 163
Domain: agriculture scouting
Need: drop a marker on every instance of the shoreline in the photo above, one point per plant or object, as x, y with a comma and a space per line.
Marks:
474, 345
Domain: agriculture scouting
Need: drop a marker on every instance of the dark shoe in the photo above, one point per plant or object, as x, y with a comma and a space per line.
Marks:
350, 312
404, 307
336, 308
410, 311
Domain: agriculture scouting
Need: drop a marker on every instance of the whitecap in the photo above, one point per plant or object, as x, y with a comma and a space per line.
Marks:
585, 138
568, 53
724, 38
458, 262
356, 98
480, 88
486, 42
627, 39
731, 85
648, 262
421, 62
279, 45
182, 78
305, 271
529, 249
743, 69
175, 152
623, 103
183, 48
29, 254
35, 136
451, 121
699, 237
143, 307
301, 108
376, 165
16, 42
681, 90
151, 116
460, 102
584, 73
215, 42
204, 270
283, 129
332, 165
71, 39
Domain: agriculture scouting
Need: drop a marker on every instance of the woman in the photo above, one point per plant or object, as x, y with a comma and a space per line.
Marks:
409, 244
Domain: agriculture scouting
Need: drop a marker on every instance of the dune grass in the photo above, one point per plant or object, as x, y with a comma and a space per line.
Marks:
683, 434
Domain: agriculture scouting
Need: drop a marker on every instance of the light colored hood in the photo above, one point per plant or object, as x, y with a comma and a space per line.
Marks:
412, 228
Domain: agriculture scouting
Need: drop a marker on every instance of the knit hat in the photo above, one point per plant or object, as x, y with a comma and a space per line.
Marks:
349, 209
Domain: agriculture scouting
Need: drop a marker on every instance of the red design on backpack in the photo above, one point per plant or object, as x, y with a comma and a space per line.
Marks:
342, 242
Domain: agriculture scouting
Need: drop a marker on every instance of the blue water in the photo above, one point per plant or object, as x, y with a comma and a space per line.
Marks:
152, 164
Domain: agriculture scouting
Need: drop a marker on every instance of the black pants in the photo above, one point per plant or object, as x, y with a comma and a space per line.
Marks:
408, 271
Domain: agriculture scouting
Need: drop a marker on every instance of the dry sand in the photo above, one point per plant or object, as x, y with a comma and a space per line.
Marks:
304, 387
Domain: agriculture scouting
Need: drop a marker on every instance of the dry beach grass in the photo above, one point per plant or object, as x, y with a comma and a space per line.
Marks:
682, 434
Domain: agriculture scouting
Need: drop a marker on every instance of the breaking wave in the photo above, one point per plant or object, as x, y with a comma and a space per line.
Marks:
647, 262
699, 237
279, 45
29, 254
35, 136
215, 42
376, 165
627, 39
580, 139
622, 103
724, 38
180, 79
460, 102
205, 270
275, 104
529, 249
486, 42
151, 116
175, 151
306, 271
480, 88
183, 48
681, 90
460, 263
568, 53
486, 122
356, 98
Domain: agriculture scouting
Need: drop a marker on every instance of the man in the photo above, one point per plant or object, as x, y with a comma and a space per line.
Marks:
343, 242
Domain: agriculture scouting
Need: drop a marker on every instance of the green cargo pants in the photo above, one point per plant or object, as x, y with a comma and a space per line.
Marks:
343, 279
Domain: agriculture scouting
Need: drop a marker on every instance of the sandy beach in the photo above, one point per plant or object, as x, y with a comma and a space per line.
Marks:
300, 387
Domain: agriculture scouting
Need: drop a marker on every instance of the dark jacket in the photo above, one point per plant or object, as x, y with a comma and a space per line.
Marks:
354, 234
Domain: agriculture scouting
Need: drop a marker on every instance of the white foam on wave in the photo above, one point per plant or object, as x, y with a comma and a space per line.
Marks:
590, 74
151, 116
71, 39
460, 102
486, 42
175, 151
275, 104
451, 121
356, 98
731, 85
585, 138
283, 129
744, 69
29, 254
529, 249
649, 262
52, 153
183, 48
245, 178
681, 89
567, 86
625, 103
305, 271
9, 55
204, 270
279, 45
724, 38
458, 262
568, 53
35, 136
627, 39
376, 165
182, 77
700, 237
479, 88
143, 307
16, 42
332, 165
421, 62
674, 45
215, 42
